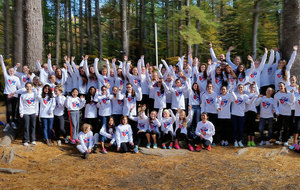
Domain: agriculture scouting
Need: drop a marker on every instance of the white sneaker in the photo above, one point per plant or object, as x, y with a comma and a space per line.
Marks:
241, 144
268, 143
277, 142
261, 143
236, 144
33, 143
226, 143
59, 143
285, 144
25, 144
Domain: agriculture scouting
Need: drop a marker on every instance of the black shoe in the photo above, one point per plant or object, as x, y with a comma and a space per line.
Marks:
85, 155
95, 149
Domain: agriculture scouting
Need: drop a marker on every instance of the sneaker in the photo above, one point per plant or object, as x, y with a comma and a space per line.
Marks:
249, 143
191, 148
176, 146
261, 143
253, 143
104, 151
73, 141
25, 144
95, 150
226, 143
59, 143
285, 144
199, 147
277, 142
163, 146
222, 143
241, 144
292, 147
170, 145
33, 143
208, 148
66, 140
148, 145
136, 149
236, 144
48, 142
85, 155
297, 147
268, 143
77, 141
154, 146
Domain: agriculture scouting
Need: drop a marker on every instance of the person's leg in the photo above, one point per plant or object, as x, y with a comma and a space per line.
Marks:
262, 123
74, 123
45, 128
50, 125
8, 102
279, 126
241, 128
62, 129
286, 123
235, 126
139, 136
32, 127
26, 119
154, 135
270, 130
148, 137
80, 149
77, 118
14, 107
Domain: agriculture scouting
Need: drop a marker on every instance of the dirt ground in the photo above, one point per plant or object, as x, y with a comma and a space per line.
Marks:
222, 168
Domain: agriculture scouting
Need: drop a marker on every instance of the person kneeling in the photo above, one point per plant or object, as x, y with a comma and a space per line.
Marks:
204, 131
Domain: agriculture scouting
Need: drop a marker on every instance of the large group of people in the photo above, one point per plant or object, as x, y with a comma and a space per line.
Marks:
127, 105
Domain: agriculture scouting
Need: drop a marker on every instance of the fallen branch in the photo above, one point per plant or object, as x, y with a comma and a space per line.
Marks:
11, 171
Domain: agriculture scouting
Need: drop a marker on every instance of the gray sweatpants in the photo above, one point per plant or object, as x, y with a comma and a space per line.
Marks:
75, 124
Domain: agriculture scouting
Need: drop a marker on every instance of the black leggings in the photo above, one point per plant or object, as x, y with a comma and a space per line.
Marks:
11, 104
225, 129
182, 136
167, 137
59, 126
125, 147
203, 141
283, 122
139, 137
250, 124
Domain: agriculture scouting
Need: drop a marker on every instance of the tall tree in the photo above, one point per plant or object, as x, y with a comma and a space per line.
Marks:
167, 29
255, 27
6, 29
81, 26
124, 33
57, 44
141, 26
33, 32
90, 26
18, 34
180, 43
291, 31
70, 28
188, 22
98, 14
198, 30
173, 29
67, 35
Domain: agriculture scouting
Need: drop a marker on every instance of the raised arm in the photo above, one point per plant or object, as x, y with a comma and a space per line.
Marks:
263, 61
50, 65
212, 53
3, 67
252, 68
228, 60
85, 66
292, 59
271, 58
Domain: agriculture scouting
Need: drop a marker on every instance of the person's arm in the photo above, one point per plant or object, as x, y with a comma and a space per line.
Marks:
292, 59
118, 140
172, 115
252, 68
139, 68
50, 69
211, 130
228, 60
197, 131
166, 65
196, 68
263, 61
38, 65
165, 86
139, 94
159, 116
104, 133
203, 104
212, 53
108, 68
82, 103
271, 58
21, 107
278, 57
82, 143
113, 63
130, 139
70, 69
85, 67
131, 117
3, 68
96, 68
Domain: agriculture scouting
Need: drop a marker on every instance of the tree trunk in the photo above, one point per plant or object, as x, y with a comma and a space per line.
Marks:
141, 24
179, 29
128, 26
99, 28
291, 31
18, 34
70, 28
75, 29
57, 32
81, 27
173, 29
152, 27
189, 46
67, 42
33, 32
255, 27
90, 25
198, 30
167, 29
124, 33
6, 29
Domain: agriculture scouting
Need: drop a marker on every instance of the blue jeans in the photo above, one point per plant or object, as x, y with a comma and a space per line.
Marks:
238, 127
262, 124
103, 120
47, 126
196, 111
